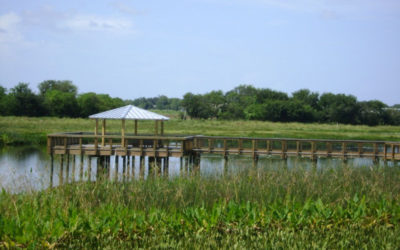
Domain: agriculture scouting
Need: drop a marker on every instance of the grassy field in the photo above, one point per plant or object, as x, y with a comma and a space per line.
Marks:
24, 130
339, 207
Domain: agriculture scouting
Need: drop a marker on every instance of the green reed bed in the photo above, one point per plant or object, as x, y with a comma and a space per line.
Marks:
342, 207
33, 130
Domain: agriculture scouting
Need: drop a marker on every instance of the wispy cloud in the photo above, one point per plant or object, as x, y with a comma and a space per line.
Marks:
98, 23
9, 32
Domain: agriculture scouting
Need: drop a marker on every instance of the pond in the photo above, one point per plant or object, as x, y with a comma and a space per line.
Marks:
26, 168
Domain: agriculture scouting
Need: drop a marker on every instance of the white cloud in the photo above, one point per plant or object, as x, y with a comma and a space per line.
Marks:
98, 23
9, 32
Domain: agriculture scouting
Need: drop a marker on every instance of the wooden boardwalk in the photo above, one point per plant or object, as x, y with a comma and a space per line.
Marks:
82, 143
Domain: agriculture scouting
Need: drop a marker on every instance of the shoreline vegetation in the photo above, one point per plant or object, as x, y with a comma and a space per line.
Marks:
334, 207
33, 130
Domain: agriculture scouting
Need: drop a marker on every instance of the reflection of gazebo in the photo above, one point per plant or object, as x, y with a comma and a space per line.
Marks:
128, 112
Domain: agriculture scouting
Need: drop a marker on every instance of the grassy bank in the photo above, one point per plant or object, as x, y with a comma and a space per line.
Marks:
23, 130
341, 207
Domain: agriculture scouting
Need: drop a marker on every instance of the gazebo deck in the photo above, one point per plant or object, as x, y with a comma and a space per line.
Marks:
83, 143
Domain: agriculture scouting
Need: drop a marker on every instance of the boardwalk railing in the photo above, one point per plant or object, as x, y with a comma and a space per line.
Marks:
179, 146
297, 147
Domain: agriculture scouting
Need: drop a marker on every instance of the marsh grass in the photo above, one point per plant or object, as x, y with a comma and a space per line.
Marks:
24, 130
342, 207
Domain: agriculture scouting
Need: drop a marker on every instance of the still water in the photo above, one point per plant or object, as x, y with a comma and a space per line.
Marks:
28, 168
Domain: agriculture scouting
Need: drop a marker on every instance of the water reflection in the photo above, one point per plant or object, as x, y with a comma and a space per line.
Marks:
29, 168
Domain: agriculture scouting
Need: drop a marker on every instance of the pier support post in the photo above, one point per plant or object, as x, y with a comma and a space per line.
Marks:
81, 167
61, 170
51, 169
166, 166
89, 172
73, 168
67, 170
123, 168
116, 167
141, 167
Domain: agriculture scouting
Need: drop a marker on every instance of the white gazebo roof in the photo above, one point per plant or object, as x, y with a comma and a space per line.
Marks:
129, 112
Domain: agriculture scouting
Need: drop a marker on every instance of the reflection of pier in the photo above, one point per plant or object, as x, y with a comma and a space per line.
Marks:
157, 148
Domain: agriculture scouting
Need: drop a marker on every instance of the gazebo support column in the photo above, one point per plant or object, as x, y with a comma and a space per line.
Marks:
162, 127
96, 132
156, 127
103, 132
136, 127
123, 133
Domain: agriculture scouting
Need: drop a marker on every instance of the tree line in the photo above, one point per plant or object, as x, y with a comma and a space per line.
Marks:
61, 99
250, 103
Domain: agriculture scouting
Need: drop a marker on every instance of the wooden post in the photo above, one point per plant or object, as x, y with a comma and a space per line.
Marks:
96, 128
376, 152
268, 147
51, 170
136, 127
49, 145
225, 148
284, 149
67, 172
328, 149
360, 149
254, 147
344, 145
298, 148
162, 127
313, 149
116, 167
103, 132
61, 169
240, 145
392, 148
123, 133
156, 127
81, 168
89, 168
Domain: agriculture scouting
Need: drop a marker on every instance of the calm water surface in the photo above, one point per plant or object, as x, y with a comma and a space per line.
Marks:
28, 168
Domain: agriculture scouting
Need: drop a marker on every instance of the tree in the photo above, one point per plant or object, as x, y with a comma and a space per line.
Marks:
23, 102
61, 104
196, 106
339, 108
3, 97
373, 113
63, 86
307, 97
88, 104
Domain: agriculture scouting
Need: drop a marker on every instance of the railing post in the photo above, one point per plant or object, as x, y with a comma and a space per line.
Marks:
254, 145
225, 148
344, 145
49, 145
313, 150
284, 149
65, 145
240, 146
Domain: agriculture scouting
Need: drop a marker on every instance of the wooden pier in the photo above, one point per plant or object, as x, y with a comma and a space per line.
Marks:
82, 143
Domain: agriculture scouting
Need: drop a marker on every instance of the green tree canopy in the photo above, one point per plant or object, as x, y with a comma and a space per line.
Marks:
62, 86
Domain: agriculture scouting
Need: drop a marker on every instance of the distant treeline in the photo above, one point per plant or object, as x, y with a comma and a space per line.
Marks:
61, 98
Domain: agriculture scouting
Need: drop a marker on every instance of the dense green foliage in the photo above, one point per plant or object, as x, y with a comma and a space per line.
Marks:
33, 130
245, 102
335, 207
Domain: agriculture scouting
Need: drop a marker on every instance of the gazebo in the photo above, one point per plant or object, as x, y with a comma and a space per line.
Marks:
128, 112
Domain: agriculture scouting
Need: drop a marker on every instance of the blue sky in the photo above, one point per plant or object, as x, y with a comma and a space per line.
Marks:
130, 49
